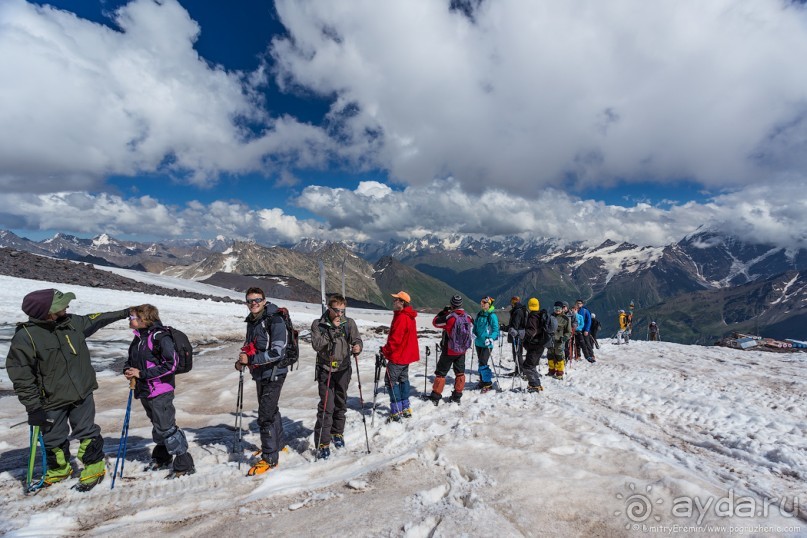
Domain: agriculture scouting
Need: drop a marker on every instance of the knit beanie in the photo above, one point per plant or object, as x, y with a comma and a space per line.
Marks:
37, 303
533, 305
456, 301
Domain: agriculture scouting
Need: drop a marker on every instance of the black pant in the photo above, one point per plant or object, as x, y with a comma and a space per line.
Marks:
269, 419
335, 392
584, 344
531, 365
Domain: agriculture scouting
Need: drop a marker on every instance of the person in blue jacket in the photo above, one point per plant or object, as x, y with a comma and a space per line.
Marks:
584, 329
486, 331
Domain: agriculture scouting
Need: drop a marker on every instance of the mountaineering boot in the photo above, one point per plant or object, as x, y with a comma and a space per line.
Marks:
485, 386
324, 452
261, 467
455, 397
407, 413
535, 388
551, 372
592, 360
338, 440
156, 465
435, 398
91, 476
176, 474
58, 467
394, 417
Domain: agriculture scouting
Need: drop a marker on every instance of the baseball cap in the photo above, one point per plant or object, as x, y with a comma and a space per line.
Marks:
402, 295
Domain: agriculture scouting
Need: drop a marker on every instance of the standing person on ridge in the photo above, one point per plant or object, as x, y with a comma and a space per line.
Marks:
595, 328
535, 341
652, 332
563, 334
622, 334
401, 350
452, 356
585, 331
49, 366
515, 332
335, 338
486, 331
154, 387
263, 353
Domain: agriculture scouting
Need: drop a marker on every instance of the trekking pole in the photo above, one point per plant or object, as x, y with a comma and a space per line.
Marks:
473, 350
361, 401
426, 373
239, 418
36, 438
121, 458
517, 372
375, 387
322, 417
501, 342
495, 372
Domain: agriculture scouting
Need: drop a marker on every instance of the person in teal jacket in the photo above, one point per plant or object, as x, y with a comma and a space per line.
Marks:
486, 331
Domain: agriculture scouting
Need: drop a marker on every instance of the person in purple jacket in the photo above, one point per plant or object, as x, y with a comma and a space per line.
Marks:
152, 362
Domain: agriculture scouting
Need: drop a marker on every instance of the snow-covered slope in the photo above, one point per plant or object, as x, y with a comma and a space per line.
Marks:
618, 448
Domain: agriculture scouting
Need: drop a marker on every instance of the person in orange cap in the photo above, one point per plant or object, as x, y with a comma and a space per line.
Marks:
401, 350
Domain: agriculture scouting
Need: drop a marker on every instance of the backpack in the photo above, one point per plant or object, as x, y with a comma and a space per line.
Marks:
292, 338
461, 337
547, 325
182, 347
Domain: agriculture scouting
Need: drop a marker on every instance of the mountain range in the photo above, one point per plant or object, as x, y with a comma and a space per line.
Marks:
701, 271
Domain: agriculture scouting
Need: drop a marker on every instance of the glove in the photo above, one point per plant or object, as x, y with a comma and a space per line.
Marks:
380, 360
37, 417
512, 333
488, 342
249, 349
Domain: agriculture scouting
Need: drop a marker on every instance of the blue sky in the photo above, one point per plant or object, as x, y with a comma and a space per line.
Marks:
363, 120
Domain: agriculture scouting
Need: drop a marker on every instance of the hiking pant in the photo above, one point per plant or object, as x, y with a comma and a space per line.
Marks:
332, 404
584, 344
76, 420
531, 365
269, 420
444, 363
165, 433
555, 357
397, 381
485, 373
622, 335
654, 337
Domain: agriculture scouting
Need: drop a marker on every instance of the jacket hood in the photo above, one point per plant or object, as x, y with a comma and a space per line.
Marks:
407, 310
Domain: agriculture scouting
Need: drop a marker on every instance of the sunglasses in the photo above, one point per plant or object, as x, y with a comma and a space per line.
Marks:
255, 301
338, 310
133, 317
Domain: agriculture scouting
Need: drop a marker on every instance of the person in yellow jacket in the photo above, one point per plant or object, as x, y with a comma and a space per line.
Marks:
624, 328
556, 352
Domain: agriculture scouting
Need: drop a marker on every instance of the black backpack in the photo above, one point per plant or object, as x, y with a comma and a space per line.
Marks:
292, 338
182, 347
547, 325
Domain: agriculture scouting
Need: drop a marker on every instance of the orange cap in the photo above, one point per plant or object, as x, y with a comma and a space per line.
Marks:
402, 295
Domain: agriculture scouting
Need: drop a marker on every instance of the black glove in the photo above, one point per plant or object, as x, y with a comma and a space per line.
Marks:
37, 417
380, 360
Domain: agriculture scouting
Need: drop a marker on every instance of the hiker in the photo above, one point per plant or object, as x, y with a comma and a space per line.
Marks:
456, 339
652, 332
152, 362
401, 350
486, 331
629, 323
595, 328
515, 332
584, 342
335, 337
537, 335
622, 334
557, 346
263, 352
49, 366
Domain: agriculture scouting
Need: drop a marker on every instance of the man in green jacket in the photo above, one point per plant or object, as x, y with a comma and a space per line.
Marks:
49, 366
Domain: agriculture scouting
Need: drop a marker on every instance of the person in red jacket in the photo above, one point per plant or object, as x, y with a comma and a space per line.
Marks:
401, 350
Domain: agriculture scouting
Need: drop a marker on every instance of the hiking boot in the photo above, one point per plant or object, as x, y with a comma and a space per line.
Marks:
261, 467
551, 373
90, 479
155, 465
394, 417
558, 375
176, 474
535, 388
324, 452
407, 413
435, 398
338, 440
592, 360
485, 386
455, 397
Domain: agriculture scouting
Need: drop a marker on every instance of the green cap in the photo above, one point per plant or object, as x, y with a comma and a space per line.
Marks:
61, 300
